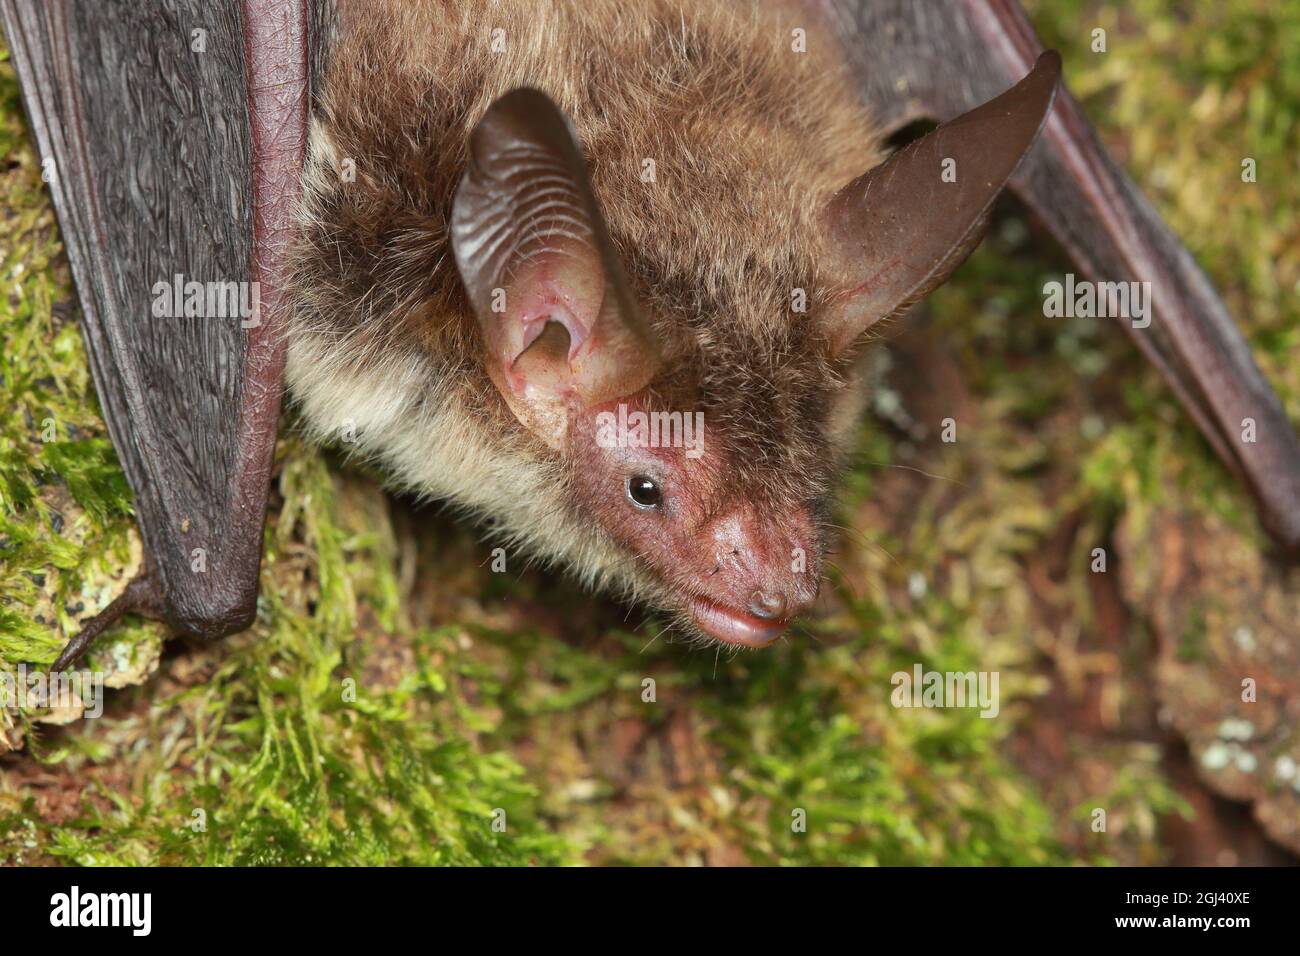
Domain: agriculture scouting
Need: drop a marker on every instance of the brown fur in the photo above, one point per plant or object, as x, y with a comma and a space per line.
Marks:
749, 139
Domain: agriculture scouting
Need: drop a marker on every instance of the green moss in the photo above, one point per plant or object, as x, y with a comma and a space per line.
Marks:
794, 738
288, 749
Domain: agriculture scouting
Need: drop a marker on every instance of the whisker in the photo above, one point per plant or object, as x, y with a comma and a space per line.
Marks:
911, 468
871, 582
864, 540
844, 578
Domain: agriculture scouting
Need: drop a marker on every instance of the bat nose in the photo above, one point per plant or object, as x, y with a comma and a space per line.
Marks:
767, 606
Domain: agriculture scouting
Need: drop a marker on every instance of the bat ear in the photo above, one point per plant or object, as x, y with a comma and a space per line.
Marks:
559, 323
899, 230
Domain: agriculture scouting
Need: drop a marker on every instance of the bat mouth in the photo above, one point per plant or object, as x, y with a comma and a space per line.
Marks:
732, 626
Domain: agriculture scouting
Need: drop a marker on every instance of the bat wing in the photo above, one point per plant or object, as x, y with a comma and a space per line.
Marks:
936, 59
172, 135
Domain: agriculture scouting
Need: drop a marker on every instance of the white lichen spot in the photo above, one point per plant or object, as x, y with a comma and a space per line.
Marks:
887, 403
1244, 638
1216, 756
1233, 728
583, 790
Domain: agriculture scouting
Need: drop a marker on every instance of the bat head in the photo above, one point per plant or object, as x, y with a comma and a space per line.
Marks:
706, 459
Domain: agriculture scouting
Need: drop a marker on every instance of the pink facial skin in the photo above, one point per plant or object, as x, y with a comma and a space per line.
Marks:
738, 571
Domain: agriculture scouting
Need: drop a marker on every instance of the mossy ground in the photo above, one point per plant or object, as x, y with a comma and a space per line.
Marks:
395, 695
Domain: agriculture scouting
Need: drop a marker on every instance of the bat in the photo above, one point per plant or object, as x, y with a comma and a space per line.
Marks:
599, 275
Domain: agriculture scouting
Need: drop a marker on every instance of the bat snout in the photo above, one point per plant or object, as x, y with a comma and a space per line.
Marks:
762, 577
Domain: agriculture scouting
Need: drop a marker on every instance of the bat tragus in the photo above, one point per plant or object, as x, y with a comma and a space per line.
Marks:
444, 208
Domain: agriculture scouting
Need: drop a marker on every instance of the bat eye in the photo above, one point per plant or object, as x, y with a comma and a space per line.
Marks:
644, 492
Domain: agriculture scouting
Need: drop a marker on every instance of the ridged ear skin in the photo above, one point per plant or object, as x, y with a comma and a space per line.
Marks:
535, 256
